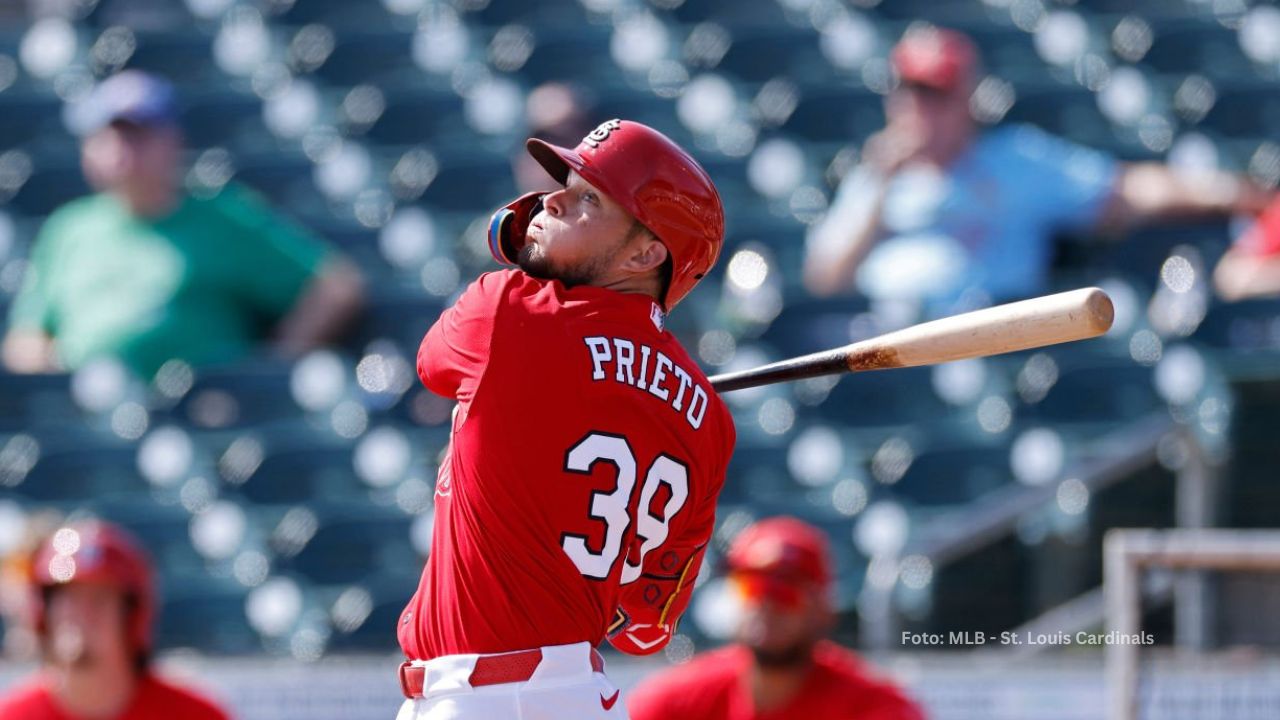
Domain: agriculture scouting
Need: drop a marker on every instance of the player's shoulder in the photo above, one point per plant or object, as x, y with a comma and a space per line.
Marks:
511, 299
701, 377
179, 701
850, 674
843, 662
704, 671
718, 413
696, 688
512, 288
29, 700
837, 658
509, 287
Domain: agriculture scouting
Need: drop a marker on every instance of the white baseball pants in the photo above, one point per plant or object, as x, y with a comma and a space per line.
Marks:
563, 686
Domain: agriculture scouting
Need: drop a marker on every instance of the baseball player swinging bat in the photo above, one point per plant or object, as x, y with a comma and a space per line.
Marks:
1048, 320
589, 520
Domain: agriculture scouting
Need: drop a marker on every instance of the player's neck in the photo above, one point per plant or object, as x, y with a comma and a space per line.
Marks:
775, 686
632, 285
102, 690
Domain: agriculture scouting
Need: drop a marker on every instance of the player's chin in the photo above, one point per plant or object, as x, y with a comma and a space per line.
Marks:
534, 262
782, 656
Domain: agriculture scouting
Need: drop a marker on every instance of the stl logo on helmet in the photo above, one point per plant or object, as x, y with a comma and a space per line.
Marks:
602, 132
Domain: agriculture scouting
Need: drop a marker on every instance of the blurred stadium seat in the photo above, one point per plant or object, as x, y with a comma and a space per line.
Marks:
1251, 326
71, 467
1193, 46
34, 401
897, 398
246, 396
414, 113
1101, 393
206, 614
953, 476
214, 116
837, 115
352, 543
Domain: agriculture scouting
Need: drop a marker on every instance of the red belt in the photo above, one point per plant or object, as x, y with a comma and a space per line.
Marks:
489, 670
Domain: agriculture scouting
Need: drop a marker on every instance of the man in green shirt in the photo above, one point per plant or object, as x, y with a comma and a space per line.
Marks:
144, 272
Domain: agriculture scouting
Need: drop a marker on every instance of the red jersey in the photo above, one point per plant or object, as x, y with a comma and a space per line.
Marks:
578, 492
154, 699
1262, 239
714, 686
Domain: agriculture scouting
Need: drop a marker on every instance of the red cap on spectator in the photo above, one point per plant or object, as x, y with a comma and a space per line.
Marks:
782, 547
939, 58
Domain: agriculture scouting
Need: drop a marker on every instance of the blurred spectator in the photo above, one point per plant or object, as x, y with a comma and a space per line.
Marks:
557, 113
1251, 267
144, 272
94, 605
15, 584
937, 209
782, 669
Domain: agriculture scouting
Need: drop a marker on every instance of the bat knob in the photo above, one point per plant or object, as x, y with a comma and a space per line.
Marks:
1100, 310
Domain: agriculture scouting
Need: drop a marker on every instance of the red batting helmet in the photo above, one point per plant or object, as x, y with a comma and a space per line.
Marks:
779, 555
101, 553
660, 184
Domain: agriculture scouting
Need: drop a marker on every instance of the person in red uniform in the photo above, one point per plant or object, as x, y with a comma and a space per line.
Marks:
587, 450
782, 668
1251, 266
94, 605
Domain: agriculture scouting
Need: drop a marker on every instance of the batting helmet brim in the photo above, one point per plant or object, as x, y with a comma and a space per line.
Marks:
659, 184
558, 161
554, 159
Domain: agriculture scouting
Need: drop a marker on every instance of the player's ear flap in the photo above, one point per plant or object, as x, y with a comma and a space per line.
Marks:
508, 225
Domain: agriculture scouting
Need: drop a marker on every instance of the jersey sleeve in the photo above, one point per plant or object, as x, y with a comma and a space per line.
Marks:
1262, 238
455, 351
650, 608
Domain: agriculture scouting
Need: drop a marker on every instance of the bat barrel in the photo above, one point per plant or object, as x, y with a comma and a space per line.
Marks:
1049, 320
1023, 325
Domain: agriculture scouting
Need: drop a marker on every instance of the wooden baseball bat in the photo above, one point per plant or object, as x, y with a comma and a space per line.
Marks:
1048, 320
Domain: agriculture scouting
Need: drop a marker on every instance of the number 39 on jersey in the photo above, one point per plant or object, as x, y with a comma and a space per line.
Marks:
612, 507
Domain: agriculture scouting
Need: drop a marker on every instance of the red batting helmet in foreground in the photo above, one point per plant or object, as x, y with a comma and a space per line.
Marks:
97, 552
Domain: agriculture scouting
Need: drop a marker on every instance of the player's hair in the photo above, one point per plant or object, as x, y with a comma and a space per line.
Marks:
141, 656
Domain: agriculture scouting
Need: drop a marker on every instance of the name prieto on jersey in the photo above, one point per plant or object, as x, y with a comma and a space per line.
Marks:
641, 367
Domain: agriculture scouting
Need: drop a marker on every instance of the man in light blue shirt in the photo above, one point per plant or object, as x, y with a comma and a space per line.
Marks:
939, 213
